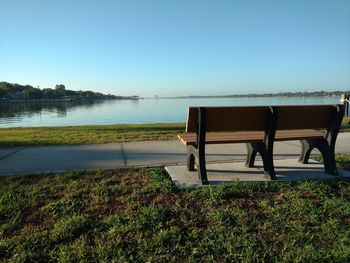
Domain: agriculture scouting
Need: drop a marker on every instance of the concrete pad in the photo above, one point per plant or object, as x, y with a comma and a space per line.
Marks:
63, 158
7, 151
286, 170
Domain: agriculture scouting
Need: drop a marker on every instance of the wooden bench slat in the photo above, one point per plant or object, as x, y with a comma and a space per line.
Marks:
229, 118
296, 123
289, 135
242, 125
241, 137
303, 117
254, 118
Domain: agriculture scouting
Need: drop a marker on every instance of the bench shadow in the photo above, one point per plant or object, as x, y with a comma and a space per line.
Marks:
234, 172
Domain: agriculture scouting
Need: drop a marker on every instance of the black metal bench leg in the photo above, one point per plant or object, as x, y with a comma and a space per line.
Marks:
200, 154
251, 154
190, 160
306, 149
325, 149
269, 169
192, 154
267, 158
327, 146
328, 158
202, 170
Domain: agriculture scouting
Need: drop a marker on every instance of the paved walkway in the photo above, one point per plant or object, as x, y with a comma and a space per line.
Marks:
24, 160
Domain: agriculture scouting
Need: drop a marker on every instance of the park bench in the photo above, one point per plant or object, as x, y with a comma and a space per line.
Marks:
316, 126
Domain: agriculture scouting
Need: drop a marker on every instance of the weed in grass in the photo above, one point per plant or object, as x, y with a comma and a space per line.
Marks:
149, 218
74, 251
161, 183
70, 227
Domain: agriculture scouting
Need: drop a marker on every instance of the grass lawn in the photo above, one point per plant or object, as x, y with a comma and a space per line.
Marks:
96, 134
137, 215
345, 127
89, 134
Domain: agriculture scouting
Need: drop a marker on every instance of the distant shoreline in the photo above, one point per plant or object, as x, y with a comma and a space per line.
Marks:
61, 100
267, 95
82, 100
13, 92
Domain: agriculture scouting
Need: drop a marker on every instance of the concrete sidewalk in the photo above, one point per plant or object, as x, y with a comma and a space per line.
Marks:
25, 160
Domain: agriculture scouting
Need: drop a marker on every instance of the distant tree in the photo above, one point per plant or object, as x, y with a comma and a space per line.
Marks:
60, 87
71, 93
49, 94
3, 93
17, 91
60, 91
32, 93
5, 89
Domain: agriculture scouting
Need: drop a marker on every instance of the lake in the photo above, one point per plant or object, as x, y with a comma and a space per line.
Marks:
127, 111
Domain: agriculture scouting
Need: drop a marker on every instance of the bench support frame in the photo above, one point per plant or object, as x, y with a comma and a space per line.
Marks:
196, 153
264, 148
326, 145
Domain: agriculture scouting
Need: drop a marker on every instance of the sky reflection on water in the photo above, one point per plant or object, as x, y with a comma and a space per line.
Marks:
126, 111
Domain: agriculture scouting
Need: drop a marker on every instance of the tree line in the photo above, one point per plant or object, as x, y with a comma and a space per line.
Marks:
14, 91
280, 94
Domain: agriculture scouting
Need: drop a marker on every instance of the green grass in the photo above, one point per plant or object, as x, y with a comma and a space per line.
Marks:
137, 215
96, 134
342, 160
88, 134
345, 127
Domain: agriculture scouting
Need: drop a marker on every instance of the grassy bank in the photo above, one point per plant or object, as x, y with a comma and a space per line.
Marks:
96, 134
138, 216
89, 134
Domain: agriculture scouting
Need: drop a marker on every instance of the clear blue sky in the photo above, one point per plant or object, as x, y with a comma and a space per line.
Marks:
177, 47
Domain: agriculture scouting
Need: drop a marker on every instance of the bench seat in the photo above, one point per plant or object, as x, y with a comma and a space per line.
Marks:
250, 136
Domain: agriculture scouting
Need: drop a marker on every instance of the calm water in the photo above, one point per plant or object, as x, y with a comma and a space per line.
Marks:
126, 112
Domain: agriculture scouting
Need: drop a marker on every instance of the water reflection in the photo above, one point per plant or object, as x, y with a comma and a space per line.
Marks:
126, 111
32, 109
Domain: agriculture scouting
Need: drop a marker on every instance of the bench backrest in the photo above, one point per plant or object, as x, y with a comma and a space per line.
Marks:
303, 116
229, 118
255, 118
